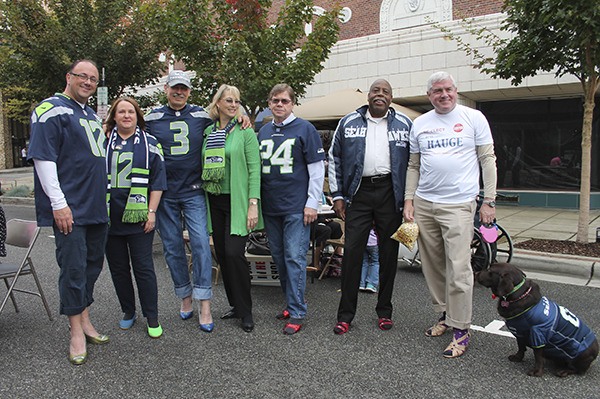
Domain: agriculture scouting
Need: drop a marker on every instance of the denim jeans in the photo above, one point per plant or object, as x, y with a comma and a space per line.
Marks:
80, 256
171, 215
288, 240
370, 267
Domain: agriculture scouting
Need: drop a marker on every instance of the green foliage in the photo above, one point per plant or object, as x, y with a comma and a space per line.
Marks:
38, 44
235, 45
19, 191
550, 34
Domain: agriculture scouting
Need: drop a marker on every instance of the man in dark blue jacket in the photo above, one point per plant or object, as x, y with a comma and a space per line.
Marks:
367, 170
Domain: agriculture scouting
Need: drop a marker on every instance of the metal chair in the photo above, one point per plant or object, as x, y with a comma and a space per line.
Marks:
22, 234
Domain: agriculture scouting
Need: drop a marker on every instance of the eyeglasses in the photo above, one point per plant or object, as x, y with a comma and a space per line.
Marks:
284, 101
231, 101
93, 80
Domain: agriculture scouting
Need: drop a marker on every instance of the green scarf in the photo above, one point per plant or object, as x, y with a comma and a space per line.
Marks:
136, 209
213, 170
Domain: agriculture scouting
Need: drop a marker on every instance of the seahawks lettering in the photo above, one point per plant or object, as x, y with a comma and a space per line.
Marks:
353, 131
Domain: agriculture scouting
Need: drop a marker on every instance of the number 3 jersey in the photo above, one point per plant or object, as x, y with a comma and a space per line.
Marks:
553, 327
64, 132
285, 152
181, 135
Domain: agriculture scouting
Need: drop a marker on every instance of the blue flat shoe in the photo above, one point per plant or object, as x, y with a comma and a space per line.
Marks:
186, 315
127, 324
209, 327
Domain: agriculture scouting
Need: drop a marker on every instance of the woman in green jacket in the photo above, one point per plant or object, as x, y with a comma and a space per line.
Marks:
231, 176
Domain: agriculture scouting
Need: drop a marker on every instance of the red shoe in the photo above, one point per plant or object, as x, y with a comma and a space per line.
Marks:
291, 328
341, 327
385, 323
283, 315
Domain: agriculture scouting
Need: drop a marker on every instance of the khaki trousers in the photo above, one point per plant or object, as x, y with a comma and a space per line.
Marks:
445, 234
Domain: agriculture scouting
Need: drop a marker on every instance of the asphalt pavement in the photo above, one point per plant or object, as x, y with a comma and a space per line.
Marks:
229, 363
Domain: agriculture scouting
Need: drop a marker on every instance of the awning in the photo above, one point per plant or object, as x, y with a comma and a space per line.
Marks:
336, 105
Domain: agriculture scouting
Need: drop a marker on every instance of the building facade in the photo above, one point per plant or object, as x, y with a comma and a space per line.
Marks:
536, 125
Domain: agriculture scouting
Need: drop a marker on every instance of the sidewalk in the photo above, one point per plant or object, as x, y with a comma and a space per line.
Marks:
10, 178
521, 223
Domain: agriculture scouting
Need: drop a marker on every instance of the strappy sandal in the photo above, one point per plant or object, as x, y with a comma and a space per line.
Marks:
385, 323
341, 328
437, 329
456, 347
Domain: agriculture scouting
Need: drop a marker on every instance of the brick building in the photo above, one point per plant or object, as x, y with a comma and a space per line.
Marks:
541, 118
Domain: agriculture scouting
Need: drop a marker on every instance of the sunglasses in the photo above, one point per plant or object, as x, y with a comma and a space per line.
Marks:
284, 101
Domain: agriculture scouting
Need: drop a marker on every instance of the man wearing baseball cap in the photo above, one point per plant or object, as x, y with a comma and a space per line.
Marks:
179, 127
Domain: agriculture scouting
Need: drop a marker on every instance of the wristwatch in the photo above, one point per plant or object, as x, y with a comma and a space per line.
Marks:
253, 202
151, 210
490, 203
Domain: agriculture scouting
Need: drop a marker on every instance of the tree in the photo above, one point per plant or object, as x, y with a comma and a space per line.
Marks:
38, 41
549, 35
239, 45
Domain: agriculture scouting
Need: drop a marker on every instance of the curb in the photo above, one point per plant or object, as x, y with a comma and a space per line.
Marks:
17, 201
572, 269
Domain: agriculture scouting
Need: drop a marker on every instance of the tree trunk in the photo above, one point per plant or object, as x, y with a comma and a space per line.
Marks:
589, 89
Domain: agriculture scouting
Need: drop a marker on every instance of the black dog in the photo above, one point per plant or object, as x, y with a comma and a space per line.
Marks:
552, 331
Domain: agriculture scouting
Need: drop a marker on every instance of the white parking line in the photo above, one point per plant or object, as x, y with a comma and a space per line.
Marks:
493, 328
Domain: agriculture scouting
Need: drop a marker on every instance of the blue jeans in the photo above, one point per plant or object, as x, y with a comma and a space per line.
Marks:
370, 267
288, 240
80, 256
171, 215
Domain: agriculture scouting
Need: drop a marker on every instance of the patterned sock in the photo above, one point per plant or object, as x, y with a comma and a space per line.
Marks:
458, 334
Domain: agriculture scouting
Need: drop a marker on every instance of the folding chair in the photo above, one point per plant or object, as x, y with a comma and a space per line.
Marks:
22, 234
335, 243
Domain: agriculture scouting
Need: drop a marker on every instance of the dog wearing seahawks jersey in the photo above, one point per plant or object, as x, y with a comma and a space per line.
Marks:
551, 330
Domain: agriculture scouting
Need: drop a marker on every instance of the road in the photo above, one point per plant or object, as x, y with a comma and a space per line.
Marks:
366, 362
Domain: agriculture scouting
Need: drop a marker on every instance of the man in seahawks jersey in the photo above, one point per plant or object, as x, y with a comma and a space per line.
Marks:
67, 148
291, 186
179, 128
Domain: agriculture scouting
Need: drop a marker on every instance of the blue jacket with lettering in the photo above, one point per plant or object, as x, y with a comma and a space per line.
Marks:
347, 154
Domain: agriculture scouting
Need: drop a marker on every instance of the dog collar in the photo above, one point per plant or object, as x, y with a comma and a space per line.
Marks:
494, 296
504, 303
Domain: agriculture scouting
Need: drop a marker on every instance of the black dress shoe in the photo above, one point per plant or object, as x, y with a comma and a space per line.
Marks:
231, 314
247, 324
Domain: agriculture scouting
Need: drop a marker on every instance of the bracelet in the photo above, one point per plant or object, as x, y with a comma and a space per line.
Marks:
151, 210
253, 202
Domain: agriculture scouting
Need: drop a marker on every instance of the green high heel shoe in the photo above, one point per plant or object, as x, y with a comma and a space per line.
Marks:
78, 360
99, 340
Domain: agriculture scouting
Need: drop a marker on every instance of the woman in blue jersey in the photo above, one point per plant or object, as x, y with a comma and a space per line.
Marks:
136, 180
231, 179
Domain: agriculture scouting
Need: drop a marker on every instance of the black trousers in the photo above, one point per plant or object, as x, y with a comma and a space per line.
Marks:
138, 248
230, 250
373, 203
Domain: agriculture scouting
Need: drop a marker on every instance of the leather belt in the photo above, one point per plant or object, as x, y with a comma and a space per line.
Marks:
377, 178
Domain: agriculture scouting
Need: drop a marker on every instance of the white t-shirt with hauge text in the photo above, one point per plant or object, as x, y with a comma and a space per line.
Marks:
447, 144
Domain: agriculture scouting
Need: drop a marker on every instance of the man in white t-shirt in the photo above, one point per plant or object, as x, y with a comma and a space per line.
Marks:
447, 145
